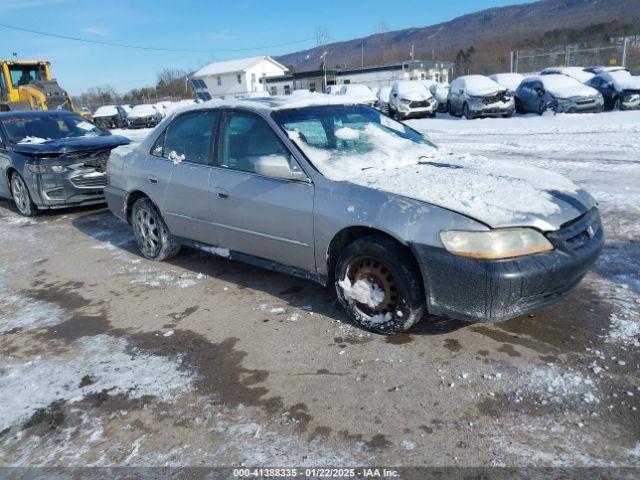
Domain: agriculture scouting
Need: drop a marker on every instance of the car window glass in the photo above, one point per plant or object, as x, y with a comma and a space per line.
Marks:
244, 139
158, 146
188, 138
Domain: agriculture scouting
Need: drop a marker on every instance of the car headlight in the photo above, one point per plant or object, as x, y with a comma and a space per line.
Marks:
495, 244
405, 101
39, 168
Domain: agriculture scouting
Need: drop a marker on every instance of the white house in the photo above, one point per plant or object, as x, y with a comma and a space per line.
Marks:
235, 78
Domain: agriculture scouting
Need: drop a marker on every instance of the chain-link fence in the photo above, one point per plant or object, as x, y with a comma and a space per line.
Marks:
615, 52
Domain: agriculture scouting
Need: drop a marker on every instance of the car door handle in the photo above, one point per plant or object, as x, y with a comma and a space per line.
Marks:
221, 193
152, 179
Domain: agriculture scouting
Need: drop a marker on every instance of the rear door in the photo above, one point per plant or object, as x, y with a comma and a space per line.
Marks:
186, 150
266, 217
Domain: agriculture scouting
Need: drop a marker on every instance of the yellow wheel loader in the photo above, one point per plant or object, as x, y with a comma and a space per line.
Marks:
27, 85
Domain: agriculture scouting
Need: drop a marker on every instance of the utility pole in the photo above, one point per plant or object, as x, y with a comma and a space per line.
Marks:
412, 51
362, 55
511, 63
625, 44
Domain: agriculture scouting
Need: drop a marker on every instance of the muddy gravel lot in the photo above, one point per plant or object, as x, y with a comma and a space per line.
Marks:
109, 359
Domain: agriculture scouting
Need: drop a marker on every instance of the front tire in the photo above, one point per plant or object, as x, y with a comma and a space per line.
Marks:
466, 113
152, 235
22, 197
389, 271
617, 104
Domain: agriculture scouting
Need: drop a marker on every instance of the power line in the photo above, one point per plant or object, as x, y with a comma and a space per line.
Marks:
143, 47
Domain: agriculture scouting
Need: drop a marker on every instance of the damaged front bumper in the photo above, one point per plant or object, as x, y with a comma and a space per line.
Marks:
495, 290
75, 185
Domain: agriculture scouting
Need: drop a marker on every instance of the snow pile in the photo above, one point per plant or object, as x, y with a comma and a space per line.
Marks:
346, 133
362, 291
33, 140
106, 111
495, 192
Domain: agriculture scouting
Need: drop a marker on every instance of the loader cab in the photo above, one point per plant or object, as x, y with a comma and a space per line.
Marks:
24, 73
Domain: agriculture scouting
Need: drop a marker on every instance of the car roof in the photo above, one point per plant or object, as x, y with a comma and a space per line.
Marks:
269, 104
36, 114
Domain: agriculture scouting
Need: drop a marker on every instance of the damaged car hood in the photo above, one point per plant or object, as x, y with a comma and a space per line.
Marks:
496, 193
69, 145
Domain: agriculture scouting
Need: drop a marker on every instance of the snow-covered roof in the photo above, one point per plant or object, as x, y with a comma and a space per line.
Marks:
106, 111
302, 99
622, 80
578, 73
231, 66
563, 86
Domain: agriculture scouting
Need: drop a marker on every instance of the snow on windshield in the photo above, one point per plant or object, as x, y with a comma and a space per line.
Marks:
405, 88
385, 158
358, 90
480, 85
563, 86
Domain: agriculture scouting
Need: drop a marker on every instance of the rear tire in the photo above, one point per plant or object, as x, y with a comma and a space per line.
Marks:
392, 270
21, 196
152, 235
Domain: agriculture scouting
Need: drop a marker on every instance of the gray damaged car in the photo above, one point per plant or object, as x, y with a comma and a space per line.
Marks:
343, 195
53, 159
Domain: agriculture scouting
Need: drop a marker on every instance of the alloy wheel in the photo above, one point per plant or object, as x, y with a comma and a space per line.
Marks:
20, 194
147, 232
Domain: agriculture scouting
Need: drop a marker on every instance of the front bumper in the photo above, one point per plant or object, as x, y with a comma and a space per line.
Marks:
496, 290
142, 122
492, 110
407, 111
76, 188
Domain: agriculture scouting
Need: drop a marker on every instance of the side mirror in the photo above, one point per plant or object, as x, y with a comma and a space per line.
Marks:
277, 166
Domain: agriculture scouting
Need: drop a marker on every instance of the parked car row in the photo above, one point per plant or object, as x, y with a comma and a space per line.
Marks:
139, 116
561, 90
326, 189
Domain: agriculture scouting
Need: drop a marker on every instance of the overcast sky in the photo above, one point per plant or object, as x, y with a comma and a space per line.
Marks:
216, 28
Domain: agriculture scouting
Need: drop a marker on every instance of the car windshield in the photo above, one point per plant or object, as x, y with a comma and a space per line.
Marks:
345, 140
40, 129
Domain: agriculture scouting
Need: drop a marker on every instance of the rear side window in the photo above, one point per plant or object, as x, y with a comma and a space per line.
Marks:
188, 138
244, 138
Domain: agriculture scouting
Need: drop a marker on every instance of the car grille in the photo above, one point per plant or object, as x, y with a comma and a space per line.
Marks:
499, 97
91, 169
577, 233
89, 181
420, 104
586, 101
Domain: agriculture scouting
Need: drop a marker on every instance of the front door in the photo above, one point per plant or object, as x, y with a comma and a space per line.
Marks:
266, 217
186, 148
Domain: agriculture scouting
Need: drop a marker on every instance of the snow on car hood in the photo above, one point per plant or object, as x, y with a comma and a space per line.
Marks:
562, 86
497, 193
140, 111
622, 80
